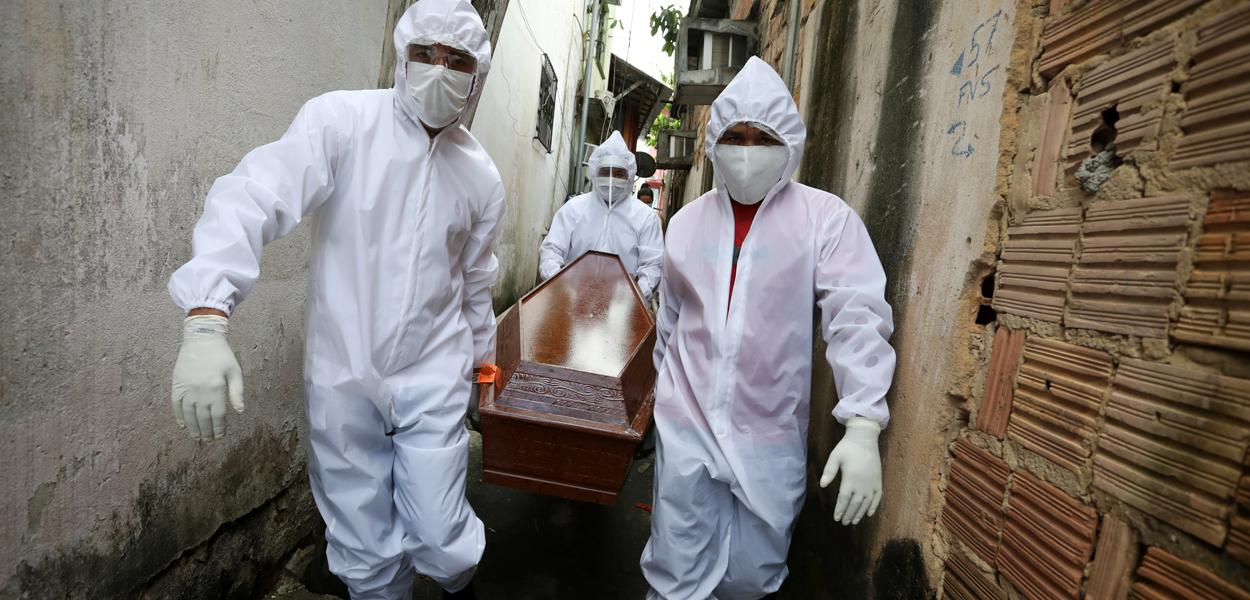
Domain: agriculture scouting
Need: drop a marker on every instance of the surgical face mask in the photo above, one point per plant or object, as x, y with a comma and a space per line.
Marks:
750, 171
439, 93
611, 189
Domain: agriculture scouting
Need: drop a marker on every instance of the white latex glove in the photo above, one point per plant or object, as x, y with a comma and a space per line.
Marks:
859, 461
205, 371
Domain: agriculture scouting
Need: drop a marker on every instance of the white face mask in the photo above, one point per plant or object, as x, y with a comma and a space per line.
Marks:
438, 93
611, 189
750, 171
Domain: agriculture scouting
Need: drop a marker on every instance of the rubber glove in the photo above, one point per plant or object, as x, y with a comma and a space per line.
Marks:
205, 372
859, 461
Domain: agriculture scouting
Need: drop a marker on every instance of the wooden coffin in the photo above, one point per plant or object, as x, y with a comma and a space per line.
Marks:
573, 395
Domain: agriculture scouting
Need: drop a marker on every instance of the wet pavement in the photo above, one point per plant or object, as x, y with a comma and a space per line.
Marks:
537, 547
541, 547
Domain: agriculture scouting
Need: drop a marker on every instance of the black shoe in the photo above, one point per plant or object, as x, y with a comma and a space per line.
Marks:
465, 594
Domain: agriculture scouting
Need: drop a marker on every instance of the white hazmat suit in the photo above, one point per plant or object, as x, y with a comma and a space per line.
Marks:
734, 373
615, 223
399, 310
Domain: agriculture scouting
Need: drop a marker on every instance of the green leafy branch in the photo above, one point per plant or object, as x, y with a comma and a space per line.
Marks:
668, 20
662, 122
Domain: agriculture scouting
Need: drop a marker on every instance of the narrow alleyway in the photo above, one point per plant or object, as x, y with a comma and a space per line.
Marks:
541, 547
547, 548
1058, 192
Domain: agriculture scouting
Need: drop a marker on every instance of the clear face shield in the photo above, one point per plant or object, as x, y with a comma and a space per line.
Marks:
435, 54
439, 80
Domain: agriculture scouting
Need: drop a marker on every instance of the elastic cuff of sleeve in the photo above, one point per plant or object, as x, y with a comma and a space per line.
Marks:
222, 305
863, 422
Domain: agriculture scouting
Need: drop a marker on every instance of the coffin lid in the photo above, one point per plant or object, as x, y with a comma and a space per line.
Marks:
575, 352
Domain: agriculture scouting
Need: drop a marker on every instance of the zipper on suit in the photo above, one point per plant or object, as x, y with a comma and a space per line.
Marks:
410, 289
725, 375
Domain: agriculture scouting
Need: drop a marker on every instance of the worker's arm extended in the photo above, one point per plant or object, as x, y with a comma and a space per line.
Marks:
264, 198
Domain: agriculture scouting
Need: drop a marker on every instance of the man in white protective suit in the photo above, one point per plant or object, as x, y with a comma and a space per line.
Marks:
608, 220
399, 311
746, 265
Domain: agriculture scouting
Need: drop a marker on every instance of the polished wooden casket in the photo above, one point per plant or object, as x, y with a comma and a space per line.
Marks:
573, 395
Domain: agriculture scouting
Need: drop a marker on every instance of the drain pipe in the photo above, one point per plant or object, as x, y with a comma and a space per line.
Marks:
792, 42
593, 25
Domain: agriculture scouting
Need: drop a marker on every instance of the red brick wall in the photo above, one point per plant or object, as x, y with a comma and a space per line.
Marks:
1109, 453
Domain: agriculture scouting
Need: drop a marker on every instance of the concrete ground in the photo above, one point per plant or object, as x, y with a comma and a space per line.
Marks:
539, 547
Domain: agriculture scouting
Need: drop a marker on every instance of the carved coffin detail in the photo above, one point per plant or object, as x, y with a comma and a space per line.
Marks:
574, 394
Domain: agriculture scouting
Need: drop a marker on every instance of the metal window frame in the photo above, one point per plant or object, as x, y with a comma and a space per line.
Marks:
548, 85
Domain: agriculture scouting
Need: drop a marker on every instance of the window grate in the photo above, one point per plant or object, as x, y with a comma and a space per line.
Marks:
546, 104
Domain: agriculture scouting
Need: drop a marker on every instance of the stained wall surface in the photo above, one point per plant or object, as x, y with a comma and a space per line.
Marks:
114, 121
534, 176
912, 143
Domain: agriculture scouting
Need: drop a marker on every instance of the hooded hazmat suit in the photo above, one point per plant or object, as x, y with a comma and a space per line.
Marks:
619, 225
399, 310
734, 372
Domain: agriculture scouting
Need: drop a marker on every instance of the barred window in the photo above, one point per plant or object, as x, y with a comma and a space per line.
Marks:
546, 104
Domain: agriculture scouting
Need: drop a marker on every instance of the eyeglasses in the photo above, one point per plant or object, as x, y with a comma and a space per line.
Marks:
745, 134
617, 172
435, 54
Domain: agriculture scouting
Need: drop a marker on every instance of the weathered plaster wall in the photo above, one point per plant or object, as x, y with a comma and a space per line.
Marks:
115, 119
910, 140
506, 121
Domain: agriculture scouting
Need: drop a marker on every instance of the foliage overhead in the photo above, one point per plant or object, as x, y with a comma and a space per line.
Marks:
662, 122
668, 20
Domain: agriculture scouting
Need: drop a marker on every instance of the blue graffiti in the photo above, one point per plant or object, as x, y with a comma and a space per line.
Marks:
968, 63
970, 91
960, 148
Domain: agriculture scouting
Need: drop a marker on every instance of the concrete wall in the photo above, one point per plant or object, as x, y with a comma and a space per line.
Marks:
912, 143
535, 178
115, 119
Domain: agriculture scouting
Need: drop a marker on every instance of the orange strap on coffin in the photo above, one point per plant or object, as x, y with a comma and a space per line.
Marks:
487, 373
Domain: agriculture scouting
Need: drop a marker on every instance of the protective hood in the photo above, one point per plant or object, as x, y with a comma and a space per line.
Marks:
613, 152
452, 23
757, 95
